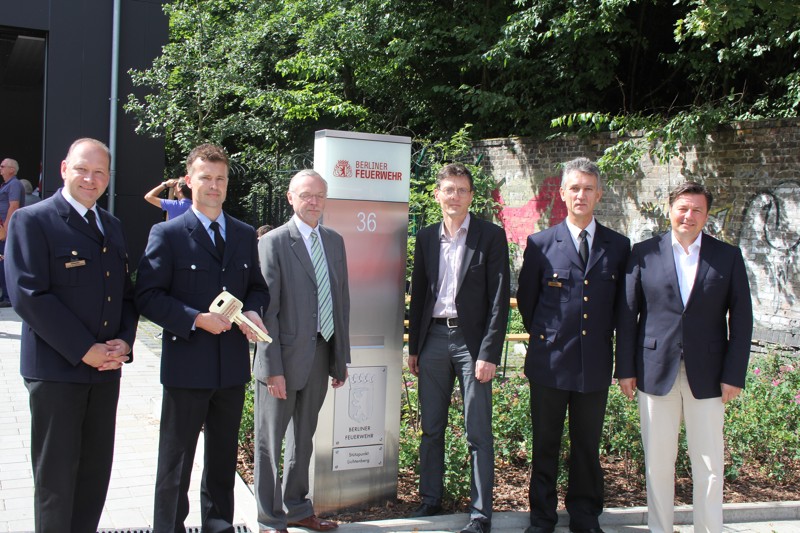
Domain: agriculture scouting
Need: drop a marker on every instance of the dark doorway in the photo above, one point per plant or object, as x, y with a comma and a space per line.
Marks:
22, 77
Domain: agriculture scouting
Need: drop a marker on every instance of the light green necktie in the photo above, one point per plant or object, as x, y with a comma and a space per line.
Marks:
323, 288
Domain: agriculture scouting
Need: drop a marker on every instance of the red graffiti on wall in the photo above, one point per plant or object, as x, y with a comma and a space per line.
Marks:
519, 222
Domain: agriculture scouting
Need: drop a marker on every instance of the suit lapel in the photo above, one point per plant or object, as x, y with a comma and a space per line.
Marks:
298, 246
471, 244
198, 232
433, 265
702, 268
232, 239
567, 246
73, 218
599, 243
668, 264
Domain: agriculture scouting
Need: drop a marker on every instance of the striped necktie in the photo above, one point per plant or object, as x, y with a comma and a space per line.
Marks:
323, 288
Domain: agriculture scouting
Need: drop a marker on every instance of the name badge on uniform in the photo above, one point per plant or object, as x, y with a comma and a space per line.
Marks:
75, 263
554, 284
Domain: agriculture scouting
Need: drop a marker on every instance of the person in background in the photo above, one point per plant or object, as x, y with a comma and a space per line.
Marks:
176, 206
12, 197
30, 198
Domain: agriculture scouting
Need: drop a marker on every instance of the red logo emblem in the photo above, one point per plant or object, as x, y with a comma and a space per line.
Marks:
342, 169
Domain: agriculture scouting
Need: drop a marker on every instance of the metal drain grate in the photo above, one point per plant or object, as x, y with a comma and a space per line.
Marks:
241, 528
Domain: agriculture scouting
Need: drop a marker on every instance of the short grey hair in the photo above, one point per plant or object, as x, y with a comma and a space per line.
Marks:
304, 173
585, 165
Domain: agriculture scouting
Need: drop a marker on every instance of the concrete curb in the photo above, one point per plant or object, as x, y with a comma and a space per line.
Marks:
634, 516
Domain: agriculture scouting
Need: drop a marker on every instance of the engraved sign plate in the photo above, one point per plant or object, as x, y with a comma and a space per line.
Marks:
357, 457
360, 408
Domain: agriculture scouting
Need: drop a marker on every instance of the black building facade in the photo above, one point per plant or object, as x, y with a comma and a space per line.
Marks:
55, 86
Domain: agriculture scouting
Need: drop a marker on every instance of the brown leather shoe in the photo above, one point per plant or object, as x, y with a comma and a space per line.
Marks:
315, 523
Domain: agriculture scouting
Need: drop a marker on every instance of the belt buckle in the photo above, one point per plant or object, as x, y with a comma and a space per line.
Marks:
454, 323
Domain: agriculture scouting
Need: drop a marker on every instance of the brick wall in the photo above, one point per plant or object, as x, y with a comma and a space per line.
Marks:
752, 168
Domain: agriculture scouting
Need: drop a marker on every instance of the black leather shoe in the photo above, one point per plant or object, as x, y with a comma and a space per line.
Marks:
426, 509
539, 529
478, 526
589, 530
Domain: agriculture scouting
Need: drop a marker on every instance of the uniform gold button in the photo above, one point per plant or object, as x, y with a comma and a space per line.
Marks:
74, 252
109, 298
583, 332
108, 274
586, 282
193, 267
555, 275
541, 337
585, 298
105, 249
585, 315
105, 322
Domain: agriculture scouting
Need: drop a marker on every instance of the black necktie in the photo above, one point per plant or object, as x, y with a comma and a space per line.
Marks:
92, 219
583, 248
219, 242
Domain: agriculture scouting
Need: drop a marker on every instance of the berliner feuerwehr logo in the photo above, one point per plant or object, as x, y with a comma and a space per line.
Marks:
342, 169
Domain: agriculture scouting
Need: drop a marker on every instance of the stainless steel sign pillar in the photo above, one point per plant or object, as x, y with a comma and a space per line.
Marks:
356, 443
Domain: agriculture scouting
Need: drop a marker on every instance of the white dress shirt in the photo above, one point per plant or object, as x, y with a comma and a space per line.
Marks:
686, 265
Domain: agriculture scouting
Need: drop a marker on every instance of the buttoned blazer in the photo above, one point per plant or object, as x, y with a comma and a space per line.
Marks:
712, 333
569, 312
70, 289
291, 317
179, 276
483, 289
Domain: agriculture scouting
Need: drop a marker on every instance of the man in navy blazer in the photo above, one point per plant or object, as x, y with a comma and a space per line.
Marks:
684, 341
68, 266
569, 283
458, 315
205, 363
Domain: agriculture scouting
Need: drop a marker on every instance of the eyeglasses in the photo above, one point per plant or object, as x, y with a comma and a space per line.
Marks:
451, 191
306, 197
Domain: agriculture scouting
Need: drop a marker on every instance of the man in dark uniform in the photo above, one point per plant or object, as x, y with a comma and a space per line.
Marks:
570, 280
205, 364
68, 264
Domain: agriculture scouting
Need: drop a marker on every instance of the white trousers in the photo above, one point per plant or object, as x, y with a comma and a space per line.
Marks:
661, 420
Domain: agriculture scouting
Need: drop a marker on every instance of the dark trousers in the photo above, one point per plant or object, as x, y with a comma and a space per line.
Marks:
584, 498
72, 448
443, 359
280, 502
3, 272
184, 412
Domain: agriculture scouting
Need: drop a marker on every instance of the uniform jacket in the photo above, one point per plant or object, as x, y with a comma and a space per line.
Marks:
291, 317
569, 313
711, 333
70, 289
179, 276
482, 300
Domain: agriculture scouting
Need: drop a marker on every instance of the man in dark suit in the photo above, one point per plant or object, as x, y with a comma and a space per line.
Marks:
205, 364
684, 341
458, 314
305, 266
72, 289
568, 285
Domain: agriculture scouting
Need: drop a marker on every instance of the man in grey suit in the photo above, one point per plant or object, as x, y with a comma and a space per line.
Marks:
309, 319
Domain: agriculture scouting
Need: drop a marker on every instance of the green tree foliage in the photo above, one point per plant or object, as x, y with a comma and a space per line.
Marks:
259, 76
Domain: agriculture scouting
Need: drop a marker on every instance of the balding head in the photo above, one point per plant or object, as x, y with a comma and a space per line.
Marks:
9, 168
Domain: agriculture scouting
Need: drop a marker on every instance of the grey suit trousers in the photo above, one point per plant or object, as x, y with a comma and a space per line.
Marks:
295, 417
443, 358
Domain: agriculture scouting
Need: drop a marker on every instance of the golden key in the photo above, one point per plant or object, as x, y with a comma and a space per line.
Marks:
230, 307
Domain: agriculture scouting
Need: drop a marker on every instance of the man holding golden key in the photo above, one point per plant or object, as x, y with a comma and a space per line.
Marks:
203, 257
